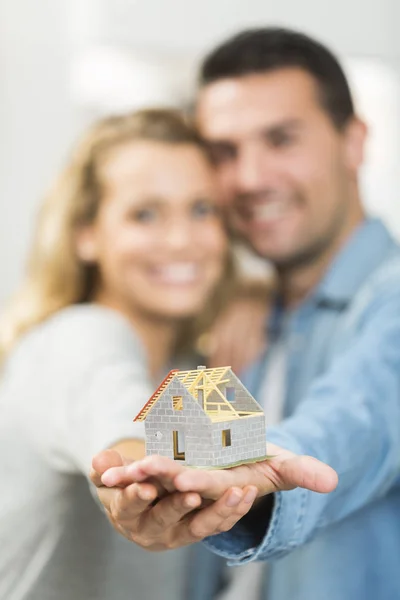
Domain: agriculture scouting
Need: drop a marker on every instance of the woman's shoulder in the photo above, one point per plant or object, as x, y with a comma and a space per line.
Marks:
84, 332
87, 317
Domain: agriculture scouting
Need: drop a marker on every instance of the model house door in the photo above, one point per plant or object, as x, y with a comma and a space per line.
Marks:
179, 445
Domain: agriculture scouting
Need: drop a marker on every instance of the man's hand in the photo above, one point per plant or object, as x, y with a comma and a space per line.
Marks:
283, 471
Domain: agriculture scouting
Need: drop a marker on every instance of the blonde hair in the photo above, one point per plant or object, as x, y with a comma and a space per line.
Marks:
55, 276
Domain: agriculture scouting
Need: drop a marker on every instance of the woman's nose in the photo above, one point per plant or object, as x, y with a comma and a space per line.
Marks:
178, 235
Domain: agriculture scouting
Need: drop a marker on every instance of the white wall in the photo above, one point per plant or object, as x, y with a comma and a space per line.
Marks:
350, 26
36, 120
39, 39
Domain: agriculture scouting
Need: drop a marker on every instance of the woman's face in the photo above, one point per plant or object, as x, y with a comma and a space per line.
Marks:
157, 239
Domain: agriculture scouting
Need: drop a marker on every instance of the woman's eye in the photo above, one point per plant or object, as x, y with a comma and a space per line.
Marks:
143, 215
204, 208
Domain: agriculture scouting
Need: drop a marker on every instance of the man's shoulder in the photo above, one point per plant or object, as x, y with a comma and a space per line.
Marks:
378, 297
385, 279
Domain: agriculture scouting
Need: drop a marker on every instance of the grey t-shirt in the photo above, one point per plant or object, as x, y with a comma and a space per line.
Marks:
70, 389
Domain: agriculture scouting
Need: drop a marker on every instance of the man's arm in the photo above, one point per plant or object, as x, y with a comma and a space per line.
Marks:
349, 420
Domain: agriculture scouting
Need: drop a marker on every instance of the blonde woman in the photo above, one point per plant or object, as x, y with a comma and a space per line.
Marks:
129, 251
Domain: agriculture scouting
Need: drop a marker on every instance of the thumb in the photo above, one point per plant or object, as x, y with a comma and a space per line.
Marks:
103, 461
306, 472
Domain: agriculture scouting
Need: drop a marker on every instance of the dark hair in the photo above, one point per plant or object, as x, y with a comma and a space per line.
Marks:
271, 48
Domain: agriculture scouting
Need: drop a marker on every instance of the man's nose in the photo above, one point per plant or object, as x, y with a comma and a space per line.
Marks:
250, 171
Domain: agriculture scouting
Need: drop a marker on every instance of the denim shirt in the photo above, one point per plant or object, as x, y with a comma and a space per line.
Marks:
342, 406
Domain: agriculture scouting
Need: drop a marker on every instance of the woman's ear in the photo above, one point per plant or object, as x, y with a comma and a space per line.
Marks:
355, 137
86, 243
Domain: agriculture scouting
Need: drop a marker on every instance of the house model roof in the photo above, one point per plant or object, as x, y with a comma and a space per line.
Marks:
203, 381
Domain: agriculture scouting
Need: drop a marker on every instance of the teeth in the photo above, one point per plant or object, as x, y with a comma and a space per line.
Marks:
178, 273
272, 210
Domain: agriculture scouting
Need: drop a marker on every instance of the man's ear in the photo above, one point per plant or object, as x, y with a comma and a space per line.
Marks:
86, 243
355, 137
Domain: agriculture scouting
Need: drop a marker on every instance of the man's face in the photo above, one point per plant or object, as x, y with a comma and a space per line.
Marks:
286, 173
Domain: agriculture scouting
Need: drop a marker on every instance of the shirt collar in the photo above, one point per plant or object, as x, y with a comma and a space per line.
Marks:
363, 252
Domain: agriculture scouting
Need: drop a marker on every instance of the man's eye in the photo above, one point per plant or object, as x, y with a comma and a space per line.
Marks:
221, 154
281, 139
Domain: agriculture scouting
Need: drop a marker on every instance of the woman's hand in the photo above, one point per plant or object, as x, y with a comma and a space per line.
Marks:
238, 336
177, 519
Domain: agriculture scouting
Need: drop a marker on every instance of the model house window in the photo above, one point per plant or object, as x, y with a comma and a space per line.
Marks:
179, 445
230, 394
177, 402
226, 438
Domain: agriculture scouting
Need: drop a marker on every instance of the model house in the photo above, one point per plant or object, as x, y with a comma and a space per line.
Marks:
205, 418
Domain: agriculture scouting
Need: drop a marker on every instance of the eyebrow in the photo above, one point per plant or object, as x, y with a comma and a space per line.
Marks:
288, 124
160, 201
263, 131
144, 202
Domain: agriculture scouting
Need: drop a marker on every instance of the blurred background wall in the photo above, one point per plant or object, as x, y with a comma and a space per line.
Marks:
64, 62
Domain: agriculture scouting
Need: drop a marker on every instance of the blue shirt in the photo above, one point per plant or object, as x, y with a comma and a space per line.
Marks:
342, 406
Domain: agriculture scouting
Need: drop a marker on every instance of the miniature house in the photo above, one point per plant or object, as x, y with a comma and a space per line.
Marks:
204, 418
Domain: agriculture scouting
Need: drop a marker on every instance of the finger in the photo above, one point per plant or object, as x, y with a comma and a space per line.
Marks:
211, 484
125, 507
222, 514
120, 477
248, 499
103, 461
306, 472
161, 468
169, 512
127, 503
95, 478
117, 476
284, 471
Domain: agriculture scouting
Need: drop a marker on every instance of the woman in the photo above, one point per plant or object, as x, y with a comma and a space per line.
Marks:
129, 250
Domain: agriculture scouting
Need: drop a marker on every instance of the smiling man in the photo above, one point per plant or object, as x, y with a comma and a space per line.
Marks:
287, 145
276, 112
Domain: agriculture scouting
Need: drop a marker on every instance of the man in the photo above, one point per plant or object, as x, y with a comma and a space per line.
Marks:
276, 111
